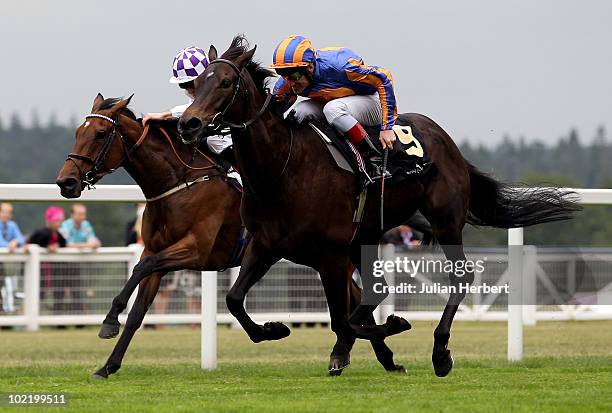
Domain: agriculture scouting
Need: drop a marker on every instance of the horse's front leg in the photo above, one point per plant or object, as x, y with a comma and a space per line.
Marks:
256, 262
146, 293
183, 254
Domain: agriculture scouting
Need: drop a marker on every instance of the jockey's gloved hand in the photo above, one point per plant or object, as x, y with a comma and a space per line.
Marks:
387, 137
284, 101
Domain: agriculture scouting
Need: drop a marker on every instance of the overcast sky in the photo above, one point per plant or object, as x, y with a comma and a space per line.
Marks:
481, 69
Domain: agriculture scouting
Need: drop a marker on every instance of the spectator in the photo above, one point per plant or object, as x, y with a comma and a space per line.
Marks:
10, 238
49, 237
402, 236
10, 235
77, 231
133, 234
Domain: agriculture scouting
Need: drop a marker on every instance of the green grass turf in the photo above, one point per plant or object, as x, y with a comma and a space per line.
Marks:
568, 367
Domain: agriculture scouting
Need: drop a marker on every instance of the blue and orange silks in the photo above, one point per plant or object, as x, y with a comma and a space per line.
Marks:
340, 72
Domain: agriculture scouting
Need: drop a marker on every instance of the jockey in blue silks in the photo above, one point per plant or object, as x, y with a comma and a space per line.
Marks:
340, 87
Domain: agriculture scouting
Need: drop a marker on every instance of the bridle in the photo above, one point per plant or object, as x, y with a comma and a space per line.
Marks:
96, 172
218, 121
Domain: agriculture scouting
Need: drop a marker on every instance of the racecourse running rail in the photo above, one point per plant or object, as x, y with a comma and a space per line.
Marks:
520, 269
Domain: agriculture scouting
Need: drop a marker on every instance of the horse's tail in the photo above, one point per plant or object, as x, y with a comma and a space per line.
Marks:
496, 204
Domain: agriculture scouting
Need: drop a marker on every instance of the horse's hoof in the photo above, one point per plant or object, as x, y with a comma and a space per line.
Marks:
442, 362
100, 374
275, 331
109, 330
397, 369
338, 363
396, 324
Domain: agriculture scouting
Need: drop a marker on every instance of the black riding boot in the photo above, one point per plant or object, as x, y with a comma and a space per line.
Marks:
372, 157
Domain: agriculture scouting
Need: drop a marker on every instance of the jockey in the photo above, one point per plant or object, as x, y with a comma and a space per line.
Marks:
341, 87
188, 64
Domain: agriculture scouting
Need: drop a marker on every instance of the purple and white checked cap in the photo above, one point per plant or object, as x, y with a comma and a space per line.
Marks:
188, 64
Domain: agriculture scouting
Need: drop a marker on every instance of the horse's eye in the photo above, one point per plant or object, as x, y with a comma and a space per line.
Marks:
100, 134
226, 83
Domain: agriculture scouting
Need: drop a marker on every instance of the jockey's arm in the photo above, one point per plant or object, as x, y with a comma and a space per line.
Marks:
175, 113
380, 79
283, 95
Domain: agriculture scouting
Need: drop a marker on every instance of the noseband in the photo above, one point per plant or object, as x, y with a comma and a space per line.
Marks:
218, 121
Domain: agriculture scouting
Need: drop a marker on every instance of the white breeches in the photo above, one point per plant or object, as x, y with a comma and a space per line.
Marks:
342, 113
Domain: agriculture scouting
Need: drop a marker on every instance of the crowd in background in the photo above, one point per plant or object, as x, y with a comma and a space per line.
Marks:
58, 232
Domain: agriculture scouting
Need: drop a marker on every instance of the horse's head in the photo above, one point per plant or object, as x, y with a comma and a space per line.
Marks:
98, 150
220, 93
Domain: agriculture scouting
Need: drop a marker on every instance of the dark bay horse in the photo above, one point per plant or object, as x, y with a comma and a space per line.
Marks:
194, 228
298, 205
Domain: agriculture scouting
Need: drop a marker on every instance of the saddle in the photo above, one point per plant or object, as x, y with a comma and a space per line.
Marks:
407, 159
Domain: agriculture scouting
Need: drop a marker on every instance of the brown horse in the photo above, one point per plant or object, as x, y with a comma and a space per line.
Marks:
298, 205
196, 228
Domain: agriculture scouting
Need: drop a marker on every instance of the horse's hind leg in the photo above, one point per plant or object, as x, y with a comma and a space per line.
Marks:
146, 293
256, 262
447, 229
370, 330
384, 355
337, 291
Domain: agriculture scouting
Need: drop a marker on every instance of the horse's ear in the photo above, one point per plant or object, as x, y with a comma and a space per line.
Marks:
212, 53
121, 104
97, 102
245, 58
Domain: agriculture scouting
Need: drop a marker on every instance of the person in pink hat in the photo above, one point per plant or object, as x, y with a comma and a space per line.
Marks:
49, 237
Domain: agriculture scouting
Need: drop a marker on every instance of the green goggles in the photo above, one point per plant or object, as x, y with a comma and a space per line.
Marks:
295, 76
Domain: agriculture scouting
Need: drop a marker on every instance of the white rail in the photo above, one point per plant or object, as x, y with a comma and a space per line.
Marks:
517, 315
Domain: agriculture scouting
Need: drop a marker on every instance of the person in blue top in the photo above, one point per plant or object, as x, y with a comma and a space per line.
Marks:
10, 234
77, 231
340, 87
10, 238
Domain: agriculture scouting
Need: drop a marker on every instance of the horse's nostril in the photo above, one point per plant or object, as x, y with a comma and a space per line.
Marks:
188, 127
192, 124
68, 183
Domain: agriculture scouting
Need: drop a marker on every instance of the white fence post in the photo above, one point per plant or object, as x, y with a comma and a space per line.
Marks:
32, 288
515, 311
387, 307
209, 320
530, 285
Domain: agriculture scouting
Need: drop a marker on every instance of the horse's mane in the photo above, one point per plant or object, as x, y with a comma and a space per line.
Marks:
110, 102
260, 74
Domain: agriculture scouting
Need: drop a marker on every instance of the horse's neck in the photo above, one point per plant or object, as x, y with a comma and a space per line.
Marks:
263, 151
153, 165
